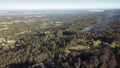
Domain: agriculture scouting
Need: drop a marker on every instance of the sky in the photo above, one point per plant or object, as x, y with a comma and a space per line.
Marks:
59, 4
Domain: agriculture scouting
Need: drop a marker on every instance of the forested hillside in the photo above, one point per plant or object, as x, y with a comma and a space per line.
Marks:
90, 40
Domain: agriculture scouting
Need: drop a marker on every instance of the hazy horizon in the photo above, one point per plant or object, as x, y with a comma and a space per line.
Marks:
59, 4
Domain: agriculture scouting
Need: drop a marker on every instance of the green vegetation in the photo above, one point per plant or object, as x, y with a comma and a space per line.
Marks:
60, 41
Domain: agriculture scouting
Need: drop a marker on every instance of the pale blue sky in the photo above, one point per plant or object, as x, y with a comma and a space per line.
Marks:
59, 4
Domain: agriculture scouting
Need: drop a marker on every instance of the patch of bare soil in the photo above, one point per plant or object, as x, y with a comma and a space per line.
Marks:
76, 48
